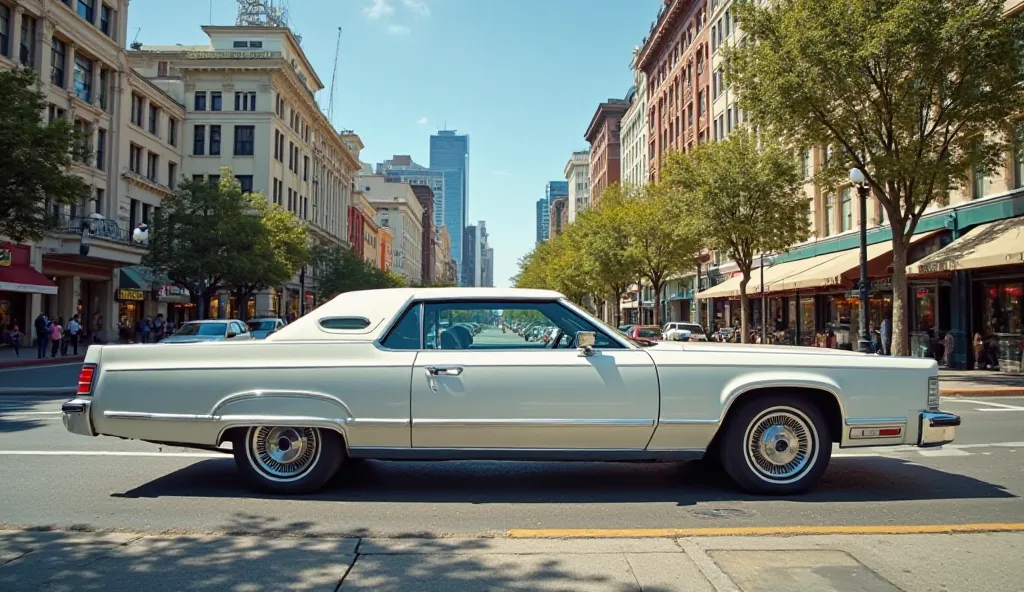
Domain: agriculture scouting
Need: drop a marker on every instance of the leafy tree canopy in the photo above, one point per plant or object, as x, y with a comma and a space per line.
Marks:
34, 159
338, 269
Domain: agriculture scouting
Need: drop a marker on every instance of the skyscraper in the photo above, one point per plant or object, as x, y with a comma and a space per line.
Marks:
449, 152
552, 191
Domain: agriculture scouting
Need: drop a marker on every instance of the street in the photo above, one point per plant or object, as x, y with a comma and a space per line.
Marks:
176, 517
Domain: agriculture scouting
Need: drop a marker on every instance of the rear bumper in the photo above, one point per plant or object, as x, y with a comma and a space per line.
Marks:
937, 428
76, 417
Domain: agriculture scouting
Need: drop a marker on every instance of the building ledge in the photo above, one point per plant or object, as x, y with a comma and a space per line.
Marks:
146, 183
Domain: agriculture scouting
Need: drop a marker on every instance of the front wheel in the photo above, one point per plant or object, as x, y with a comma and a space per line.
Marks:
288, 460
776, 445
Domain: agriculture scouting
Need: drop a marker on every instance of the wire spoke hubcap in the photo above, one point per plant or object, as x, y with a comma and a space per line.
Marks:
283, 453
780, 444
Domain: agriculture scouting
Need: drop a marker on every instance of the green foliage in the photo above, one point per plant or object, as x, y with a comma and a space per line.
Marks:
909, 91
34, 159
337, 269
745, 194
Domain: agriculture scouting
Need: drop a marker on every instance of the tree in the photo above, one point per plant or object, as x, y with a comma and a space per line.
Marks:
915, 93
662, 240
34, 159
279, 248
201, 235
746, 195
338, 269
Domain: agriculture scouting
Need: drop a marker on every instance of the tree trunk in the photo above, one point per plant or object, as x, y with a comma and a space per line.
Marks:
616, 302
900, 334
656, 286
744, 308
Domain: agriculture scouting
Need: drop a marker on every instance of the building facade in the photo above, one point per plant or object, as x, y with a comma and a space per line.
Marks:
249, 98
577, 175
402, 168
399, 211
675, 59
604, 136
425, 197
552, 191
443, 264
478, 257
634, 130
725, 113
559, 216
449, 152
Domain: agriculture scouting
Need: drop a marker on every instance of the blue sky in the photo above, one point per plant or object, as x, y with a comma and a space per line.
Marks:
522, 77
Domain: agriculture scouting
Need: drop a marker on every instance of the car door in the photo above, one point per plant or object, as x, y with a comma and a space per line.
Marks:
496, 390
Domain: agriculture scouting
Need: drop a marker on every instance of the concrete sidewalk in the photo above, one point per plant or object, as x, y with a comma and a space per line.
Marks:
54, 561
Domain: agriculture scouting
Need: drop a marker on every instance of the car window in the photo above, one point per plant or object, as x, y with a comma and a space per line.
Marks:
264, 325
406, 332
482, 325
648, 332
202, 329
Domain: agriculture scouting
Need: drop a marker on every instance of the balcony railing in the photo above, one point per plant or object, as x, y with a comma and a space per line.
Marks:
105, 229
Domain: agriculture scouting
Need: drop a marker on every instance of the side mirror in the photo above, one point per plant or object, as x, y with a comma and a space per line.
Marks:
232, 335
585, 341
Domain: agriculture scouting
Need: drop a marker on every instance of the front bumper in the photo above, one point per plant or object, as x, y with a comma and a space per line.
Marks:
937, 428
76, 417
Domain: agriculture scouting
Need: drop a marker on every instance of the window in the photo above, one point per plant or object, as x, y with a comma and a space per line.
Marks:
136, 115
240, 44
172, 131
245, 101
475, 326
214, 140
58, 57
102, 90
406, 332
199, 140
200, 101
305, 168
246, 182
5, 30
172, 174
152, 164
275, 194
291, 156
197, 178
255, 44
846, 203
277, 152
83, 78
27, 54
161, 69
830, 214
213, 179
1018, 157
86, 9
135, 159
805, 164
154, 119
106, 16
348, 324
244, 140
215, 100
281, 150
101, 149
978, 184
291, 200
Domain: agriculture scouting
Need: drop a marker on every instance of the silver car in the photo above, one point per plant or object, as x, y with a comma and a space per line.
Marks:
212, 330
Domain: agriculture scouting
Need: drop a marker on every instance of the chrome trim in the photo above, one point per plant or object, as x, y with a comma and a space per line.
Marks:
76, 417
568, 423
524, 454
781, 385
874, 421
937, 428
688, 421
157, 416
255, 419
287, 394
379, 422
368, 328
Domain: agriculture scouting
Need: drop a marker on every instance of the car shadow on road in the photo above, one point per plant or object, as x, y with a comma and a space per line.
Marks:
690, 483
111, 562
16, 412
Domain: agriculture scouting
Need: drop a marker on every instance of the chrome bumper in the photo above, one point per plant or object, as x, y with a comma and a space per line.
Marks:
937, 428
76, 417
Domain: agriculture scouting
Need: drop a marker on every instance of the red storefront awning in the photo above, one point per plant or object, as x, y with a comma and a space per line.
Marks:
22, 278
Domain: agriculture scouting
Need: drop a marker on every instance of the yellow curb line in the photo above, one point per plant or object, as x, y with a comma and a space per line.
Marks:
982, 392
592, 533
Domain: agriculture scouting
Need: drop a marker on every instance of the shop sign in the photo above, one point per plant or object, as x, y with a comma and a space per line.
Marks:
129, 294
232, 55
6, 255
172, 293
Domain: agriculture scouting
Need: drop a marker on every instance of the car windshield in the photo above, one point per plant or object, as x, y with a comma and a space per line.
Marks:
204, 329
648, 333
690, 328
264, 325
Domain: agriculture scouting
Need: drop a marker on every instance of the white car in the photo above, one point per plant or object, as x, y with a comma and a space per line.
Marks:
672, 331
396, 374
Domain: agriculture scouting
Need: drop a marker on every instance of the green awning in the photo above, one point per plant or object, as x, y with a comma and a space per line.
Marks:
136, 278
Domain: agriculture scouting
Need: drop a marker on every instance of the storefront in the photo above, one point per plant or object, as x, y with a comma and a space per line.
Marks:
18, 282
176, 303
131, 303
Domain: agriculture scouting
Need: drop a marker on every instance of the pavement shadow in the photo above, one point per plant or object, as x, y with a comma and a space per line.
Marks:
849, 480
112, 562
15, 412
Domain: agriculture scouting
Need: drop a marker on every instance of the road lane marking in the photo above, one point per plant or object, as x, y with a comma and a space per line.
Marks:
38, 366
566, 533
991, 404
112, 453
20, 413
933, 452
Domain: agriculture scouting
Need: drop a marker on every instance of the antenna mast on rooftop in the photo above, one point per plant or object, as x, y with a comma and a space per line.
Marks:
334, 75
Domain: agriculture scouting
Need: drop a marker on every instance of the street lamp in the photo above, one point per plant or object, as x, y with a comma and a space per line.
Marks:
141, 234
860, 182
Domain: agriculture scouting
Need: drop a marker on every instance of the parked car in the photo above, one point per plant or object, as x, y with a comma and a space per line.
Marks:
645, 332
672, 331
625, 329
261, 328
354, 379
211, 330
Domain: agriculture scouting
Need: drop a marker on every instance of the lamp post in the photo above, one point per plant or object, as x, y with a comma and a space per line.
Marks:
860, 182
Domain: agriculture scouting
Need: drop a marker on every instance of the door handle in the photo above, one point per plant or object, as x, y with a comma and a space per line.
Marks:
443, 370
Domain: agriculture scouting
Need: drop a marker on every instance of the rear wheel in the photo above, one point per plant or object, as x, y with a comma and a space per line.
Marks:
288, 460
776, 445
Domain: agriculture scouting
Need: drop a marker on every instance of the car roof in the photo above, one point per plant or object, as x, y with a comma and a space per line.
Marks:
379, 307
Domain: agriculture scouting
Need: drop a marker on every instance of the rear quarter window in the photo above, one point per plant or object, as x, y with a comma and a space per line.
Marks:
345, 323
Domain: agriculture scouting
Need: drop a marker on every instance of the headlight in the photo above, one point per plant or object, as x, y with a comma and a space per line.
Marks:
933, 393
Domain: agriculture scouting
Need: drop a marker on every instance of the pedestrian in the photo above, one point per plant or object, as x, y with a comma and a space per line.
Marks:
147, 329
158, 327
56, 334
42, 336
886, 336
74, 332
947, 349
15, 334
97, 327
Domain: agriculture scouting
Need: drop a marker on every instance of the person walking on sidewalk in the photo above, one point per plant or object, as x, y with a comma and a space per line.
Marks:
42, 335
74, 331
15, 334
56, 334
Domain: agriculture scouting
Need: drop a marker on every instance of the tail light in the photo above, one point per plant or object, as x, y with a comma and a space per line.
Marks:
85, 377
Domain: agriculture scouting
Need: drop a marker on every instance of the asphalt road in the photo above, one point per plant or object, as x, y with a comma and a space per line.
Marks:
52, 478
60, 375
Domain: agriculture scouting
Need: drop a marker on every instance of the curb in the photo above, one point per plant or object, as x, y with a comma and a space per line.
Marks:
35, 362
998, 391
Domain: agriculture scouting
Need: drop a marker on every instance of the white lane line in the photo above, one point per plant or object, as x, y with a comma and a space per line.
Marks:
992, 404
20, 413
111, 453
990, 409
943, 452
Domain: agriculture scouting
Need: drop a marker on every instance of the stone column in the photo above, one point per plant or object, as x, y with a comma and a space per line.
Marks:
96, 67
69, 68
15, 37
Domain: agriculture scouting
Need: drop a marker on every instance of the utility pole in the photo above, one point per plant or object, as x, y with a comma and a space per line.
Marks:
764, 307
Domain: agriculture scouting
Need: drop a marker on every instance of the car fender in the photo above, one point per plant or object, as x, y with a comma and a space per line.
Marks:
282, 408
